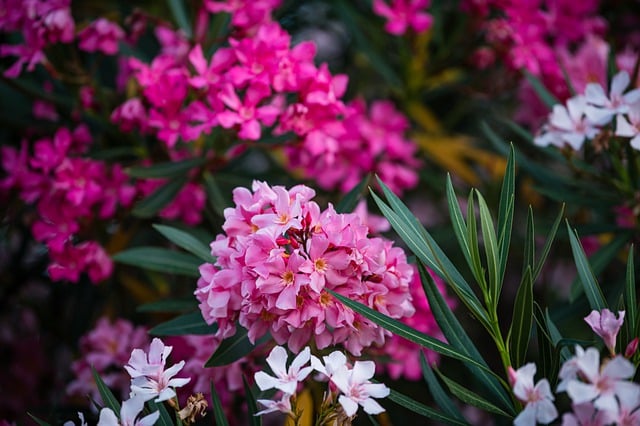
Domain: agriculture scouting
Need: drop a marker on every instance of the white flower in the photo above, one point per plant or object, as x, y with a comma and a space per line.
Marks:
129, 411
601, 108
283, 405
567, 125
148, 376
333, 363
285, 379
630, 128
357, 389
82, 421
538, 398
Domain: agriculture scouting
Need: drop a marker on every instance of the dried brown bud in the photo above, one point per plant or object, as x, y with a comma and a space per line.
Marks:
196, 405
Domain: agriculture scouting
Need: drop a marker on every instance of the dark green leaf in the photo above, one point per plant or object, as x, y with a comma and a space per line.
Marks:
423, 410
108, 399
233, 348
37, 420
459, 226
505, 213
187, 241
468, 397
547, 244
350, 201
458, 338
630, 298
549, 360
218, 411
160, 260
545, 95
162, 196
168, 170
529, 257
407, 332
439, 395
599, 261
591, 287
165, 418
474, 247
556, 337
522, 321
171, 305
191, 323
179, 12
490, 247
252, 406
216, 199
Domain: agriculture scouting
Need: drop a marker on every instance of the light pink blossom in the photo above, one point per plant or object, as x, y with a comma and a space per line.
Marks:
284, 379
606, 325
129, 413
356, 388
538, 399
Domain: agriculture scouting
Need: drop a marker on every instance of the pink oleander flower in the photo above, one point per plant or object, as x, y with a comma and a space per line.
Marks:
129, 413
107, 347
101, 35
537, 398
148, 375
356, 388
585, 380
606, 325
283, 405
404, 14
278, 257
245, 14
568, 125
586, 415
285, 379
602, 108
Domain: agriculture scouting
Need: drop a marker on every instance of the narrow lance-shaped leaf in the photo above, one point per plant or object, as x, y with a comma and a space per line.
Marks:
186, 241
165, 418
549, 359
472, 237
191, 323
458, 338
529, 257
233, 348
109, 400
547, 244
167, 170
350, 201
407, 332
630, 298
439, 395
179, 12
543, 93
522, 321
490, 248
162, 196
170, 305
591, 287
505, 213
423, 410
218, 411
467, 396
160, 260
252, 406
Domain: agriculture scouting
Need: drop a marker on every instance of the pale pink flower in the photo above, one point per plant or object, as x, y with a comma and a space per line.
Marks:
537, 398
148, 375
568, 125
284, 379
602, 108
586, 415
356, 388
629, 125
101, 35
606, 325
283, 405
628, 413
129, 413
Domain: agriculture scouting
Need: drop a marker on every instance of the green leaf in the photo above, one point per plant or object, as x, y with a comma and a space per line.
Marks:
591, 287
548, 360
233, 348
180, 14
191, 323
162, 196
171, 305
423, 410
215, 196
165, 418
472, 237
407, 332
630, 298
109, 400
218, 411
522, 321
529, 257
460, 227
545, 95
186, 241
547, 244
350, 201
468, 397
167, 170
458, 338
252, 406
505, 210
427, 250
439, 395
37, 420
556, 337
599, 261
490, 247
160, 260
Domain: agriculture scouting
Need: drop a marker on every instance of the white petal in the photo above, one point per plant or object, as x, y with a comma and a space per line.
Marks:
624, 128
575, 108
350, 406
618, 368
546, 412
371, 406
598, 116
594, 94
527, 417
300, 360
619, 82
363, 371
376, 390
165, 395
131, 408
632, 97
635, 142
108, 418
277, 360
149, 420
265, 381
581, 392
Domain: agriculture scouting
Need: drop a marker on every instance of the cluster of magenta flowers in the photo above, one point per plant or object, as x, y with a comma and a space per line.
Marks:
602, 391
279, 258
587, 115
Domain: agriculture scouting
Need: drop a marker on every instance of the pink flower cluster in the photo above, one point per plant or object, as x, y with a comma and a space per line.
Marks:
278, 257
405, 355
259, 82
404, 14
70, 191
